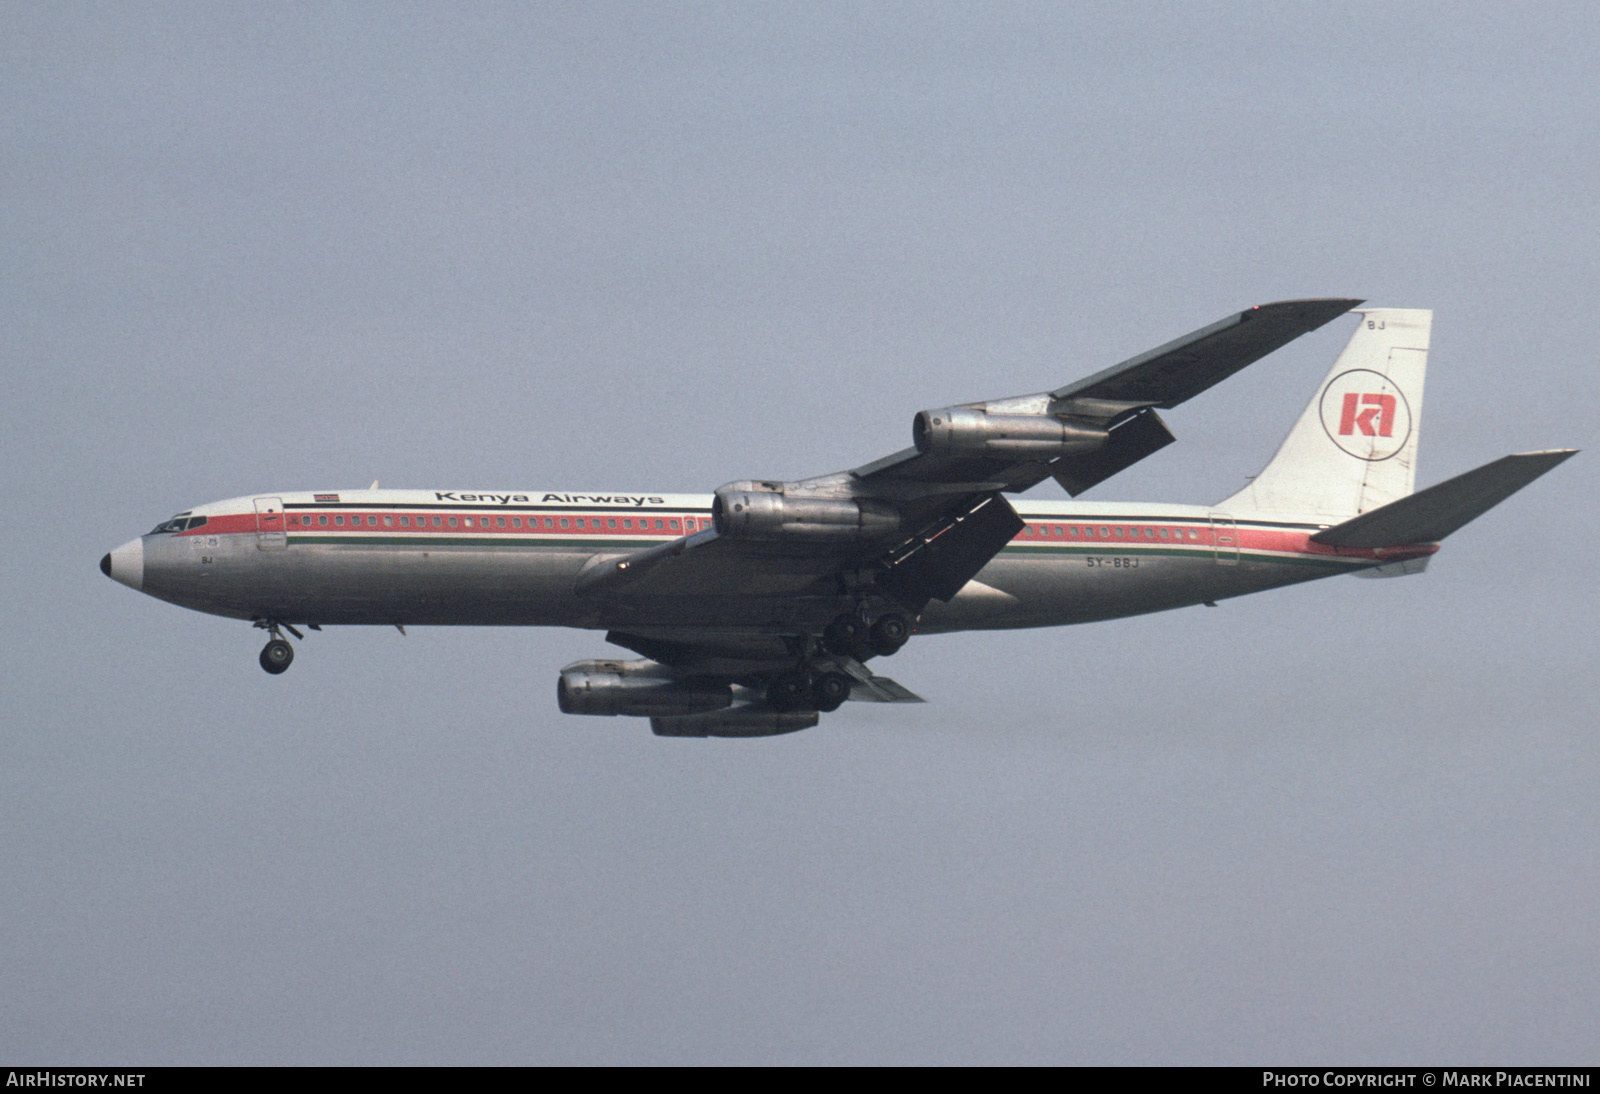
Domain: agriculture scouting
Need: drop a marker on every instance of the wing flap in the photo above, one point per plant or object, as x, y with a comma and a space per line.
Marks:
881, 689
1432, 514
874, 689
936, 564
1131, 441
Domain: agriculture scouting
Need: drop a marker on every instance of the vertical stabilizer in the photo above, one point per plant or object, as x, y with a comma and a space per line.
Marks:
1355, 446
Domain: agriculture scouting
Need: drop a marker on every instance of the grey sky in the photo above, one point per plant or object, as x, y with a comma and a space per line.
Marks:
647, 247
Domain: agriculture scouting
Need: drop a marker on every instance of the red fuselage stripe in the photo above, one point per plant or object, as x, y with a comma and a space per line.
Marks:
1061, 531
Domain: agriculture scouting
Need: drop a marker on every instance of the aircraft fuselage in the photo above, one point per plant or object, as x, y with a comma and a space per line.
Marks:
474, 559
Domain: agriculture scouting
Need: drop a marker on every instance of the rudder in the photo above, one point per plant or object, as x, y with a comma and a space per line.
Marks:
1354, 448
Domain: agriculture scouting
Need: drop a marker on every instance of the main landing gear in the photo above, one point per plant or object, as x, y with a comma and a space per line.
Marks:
823, 688
277, 655
851, 636
807, 690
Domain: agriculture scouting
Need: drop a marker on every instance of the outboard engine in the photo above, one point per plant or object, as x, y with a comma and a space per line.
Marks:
635, 687
964, 431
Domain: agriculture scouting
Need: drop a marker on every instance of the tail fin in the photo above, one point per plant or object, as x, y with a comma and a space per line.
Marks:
1355, 446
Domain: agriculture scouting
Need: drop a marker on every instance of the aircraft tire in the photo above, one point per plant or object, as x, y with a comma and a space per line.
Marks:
830, 690
277, 656
843, 635
789, 691
889, 633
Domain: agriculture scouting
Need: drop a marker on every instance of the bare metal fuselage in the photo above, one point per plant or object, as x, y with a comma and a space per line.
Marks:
471, 566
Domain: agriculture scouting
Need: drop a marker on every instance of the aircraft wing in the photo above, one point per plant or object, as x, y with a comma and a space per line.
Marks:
919, 524
933, 561
1183, 368
1122, 398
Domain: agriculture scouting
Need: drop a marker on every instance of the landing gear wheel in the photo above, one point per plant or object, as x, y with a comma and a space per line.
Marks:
889, 633
830, 690
276, 656
791, 691
843, 635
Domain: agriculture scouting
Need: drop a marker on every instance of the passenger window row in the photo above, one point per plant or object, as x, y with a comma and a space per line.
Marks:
426, 521
1074, 531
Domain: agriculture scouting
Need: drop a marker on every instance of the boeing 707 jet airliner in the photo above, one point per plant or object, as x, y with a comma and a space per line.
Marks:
756, 608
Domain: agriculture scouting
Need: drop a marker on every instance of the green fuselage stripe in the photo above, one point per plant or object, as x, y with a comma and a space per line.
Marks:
1200, 551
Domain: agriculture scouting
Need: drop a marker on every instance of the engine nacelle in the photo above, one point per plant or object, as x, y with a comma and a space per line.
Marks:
636, 688
753, 720
752, 510
963, 431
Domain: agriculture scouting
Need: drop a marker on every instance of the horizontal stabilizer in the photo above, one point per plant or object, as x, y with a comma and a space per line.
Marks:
1434, 513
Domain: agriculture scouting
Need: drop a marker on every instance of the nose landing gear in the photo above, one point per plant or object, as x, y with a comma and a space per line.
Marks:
277, 655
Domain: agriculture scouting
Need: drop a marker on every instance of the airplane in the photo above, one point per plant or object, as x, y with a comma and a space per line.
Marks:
755, 609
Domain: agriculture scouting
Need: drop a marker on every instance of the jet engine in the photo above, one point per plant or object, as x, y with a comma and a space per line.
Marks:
635, 687
746, 720
963, 431
756, 510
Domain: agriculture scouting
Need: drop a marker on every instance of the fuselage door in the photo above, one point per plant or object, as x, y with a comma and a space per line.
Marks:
1225, 539
271, 535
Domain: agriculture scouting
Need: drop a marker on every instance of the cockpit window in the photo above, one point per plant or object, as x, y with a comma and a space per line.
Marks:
178, 524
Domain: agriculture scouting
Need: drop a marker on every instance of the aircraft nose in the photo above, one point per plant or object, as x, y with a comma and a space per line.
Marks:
126, 564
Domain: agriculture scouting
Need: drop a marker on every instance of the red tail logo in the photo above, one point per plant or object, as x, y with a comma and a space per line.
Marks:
1366, 414
1380, 407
